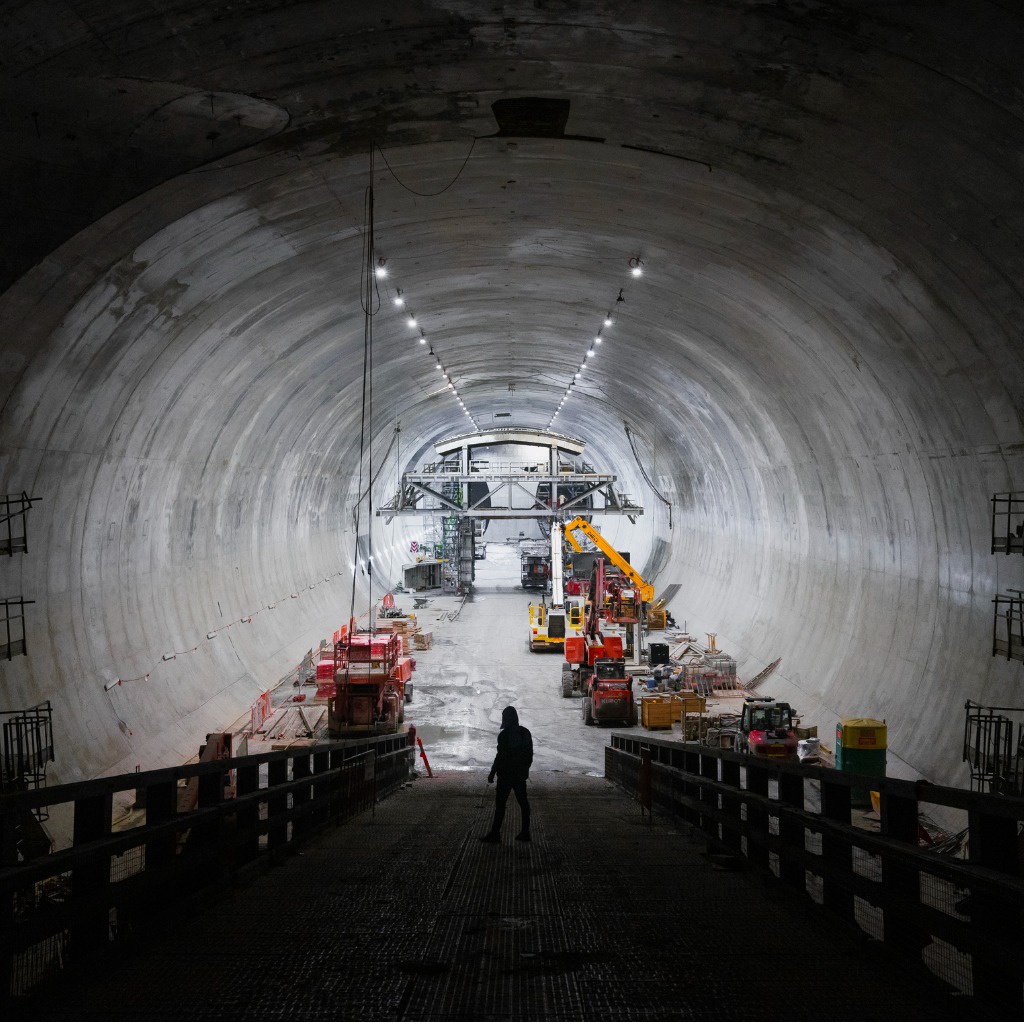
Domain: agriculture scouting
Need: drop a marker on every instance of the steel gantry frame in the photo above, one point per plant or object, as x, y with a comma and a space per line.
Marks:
562, 473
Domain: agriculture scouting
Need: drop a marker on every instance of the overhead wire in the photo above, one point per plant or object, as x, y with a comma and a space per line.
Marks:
428, 195
650, 482
368, 292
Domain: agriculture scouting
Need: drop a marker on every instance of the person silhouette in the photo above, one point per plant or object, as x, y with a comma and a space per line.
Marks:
512, 768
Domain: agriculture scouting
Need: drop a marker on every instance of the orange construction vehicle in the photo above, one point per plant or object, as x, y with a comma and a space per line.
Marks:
595, 668
372, 682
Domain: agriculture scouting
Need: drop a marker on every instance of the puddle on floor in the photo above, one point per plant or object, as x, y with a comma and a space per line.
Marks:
443, 735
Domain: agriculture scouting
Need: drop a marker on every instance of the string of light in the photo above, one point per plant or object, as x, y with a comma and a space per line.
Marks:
636, 269
401, 303
213, 633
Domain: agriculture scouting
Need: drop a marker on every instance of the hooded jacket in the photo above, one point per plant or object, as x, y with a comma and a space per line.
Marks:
515, 749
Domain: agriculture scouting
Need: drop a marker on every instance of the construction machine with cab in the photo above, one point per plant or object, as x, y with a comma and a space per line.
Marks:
624, 594
595, 667
609, 694
766, 729
550, 624
372, 682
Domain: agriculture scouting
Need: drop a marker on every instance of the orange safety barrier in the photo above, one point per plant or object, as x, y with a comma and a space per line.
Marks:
423, 754
259, 712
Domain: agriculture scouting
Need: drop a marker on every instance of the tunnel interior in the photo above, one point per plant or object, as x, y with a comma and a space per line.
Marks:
818, 364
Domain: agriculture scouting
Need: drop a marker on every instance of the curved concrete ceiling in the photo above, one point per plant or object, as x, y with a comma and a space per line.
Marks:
820, 365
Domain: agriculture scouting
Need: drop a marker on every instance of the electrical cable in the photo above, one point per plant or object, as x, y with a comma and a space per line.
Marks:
383, 462
650, 483
367, 288
428, 195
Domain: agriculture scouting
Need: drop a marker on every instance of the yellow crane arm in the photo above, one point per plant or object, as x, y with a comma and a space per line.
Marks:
645, 589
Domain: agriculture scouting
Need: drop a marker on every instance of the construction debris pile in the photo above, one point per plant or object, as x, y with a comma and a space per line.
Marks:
692, 666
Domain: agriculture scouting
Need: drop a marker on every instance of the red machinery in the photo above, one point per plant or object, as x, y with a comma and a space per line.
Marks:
766, 729
594, 666
370, 677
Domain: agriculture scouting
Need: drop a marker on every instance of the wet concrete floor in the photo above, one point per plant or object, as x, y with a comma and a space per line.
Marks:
481, 662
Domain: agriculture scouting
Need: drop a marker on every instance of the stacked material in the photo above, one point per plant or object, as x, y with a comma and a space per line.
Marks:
324, 680
404, 626
723, 668
423, 639
659, 711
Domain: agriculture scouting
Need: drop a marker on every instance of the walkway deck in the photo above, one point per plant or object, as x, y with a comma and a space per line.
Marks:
404, 915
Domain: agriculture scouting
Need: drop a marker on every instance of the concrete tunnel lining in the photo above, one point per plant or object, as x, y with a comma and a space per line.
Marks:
815, 361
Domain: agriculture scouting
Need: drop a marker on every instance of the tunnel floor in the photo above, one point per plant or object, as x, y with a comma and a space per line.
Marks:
402, 914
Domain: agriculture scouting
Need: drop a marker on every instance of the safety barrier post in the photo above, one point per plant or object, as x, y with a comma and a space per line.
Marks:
321, 787
731, 836
301, 795
90, 882
644, 781
247, 780
757, 815
791, 831
709, 796
994, 921
423, 754
277, 805
836, 851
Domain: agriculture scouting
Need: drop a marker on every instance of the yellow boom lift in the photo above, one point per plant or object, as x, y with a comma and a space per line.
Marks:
643, 591
551, 624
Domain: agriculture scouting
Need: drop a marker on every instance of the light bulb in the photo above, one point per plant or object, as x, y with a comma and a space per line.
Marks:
412, 321
381, 271
399, 301
423, 340
597, 340
637, 271
607, 321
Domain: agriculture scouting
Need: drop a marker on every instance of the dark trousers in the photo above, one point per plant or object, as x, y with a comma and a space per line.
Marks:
501, 798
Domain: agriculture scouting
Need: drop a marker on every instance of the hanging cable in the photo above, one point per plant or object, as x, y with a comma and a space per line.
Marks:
368, 292
643, 472
428, 195
383, 463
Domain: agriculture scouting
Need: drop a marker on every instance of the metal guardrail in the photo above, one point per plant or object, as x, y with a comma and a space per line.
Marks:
67, 909
14, 509
1008, 625
12, 627
1008, 523
962, 918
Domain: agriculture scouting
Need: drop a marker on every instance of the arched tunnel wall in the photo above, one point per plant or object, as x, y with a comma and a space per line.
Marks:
820, 365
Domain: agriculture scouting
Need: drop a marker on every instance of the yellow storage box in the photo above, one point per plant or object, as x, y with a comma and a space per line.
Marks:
656, 712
